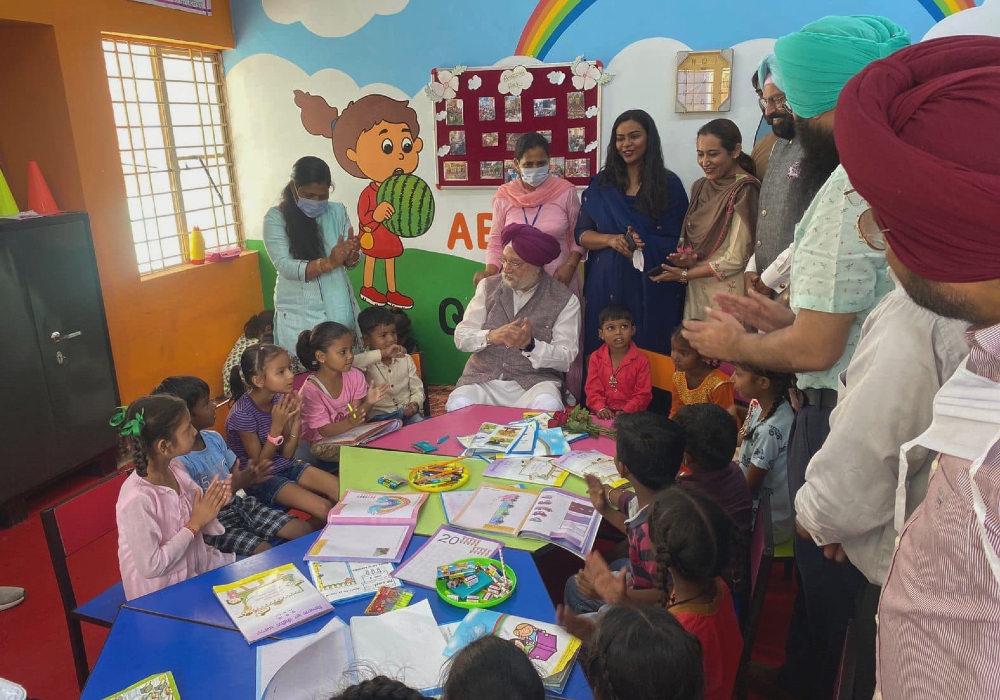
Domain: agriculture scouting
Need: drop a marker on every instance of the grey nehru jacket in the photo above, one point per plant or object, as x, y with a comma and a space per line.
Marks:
499, 361
782, 203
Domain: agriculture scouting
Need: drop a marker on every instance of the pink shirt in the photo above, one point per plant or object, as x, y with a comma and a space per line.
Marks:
556, 217
155, 550
319, 408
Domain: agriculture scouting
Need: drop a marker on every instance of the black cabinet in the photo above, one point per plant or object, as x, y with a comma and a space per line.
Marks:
56, 369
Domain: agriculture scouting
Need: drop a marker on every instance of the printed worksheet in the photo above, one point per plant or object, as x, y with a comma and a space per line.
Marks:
498, 509
446, 546
532, 470
592, 462
345, 580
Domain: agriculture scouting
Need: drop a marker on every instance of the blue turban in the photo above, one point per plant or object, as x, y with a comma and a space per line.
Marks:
769, 67
817, 62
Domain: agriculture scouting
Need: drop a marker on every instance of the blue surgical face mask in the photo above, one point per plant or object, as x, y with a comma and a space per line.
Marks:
535, 176
313, 208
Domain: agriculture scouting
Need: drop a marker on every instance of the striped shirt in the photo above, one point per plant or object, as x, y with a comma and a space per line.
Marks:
939, 616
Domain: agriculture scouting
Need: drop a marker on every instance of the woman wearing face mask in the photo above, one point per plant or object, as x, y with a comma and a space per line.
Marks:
548, 203
311, 243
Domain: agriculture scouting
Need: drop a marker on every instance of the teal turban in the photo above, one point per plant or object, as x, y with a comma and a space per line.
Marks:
769, 67
817, 62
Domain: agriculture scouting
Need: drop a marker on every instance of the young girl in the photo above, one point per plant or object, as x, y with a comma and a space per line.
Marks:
695, 379
379, 688
492, 669
643, 653
764, 442
693, 540
265, 422
336, 398
161, 513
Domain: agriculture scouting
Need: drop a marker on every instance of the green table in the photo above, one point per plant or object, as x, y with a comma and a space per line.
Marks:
360, 468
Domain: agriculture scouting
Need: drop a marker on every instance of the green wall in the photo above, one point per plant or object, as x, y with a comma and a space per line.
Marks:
421, 275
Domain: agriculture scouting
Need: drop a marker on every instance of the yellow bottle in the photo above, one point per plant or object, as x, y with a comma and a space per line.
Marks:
196, 246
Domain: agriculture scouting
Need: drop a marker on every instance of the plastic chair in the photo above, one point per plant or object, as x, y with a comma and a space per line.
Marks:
761, 555
661, 376
418, 360
69, 526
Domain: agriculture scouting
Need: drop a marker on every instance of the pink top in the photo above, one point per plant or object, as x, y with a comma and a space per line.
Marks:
155, 550
556, 217
319, 408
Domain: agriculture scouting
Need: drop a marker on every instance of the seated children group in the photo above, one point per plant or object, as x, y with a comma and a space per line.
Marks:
197, 499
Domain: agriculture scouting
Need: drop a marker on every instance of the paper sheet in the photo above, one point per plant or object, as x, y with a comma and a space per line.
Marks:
385, 543
303, 668
404, 644
445, 546
454, 501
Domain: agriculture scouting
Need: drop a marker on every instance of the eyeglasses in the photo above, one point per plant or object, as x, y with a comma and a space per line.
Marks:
513, 264
869, 229
779, 102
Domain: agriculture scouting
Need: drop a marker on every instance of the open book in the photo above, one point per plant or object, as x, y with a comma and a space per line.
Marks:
362, 434
495, 440
554, 515
368, 527
531, 470
593, 462
271, 601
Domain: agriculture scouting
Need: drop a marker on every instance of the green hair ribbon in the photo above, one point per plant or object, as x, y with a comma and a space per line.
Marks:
130, 427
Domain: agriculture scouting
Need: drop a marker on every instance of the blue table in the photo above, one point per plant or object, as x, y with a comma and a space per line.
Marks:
207, 662
193, 601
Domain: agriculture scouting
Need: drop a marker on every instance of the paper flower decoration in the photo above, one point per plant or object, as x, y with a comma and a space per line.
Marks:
587, 75
590, 147
514, 80
592, 111
557, 77
444, 150
441, 116
475, 82
445, 84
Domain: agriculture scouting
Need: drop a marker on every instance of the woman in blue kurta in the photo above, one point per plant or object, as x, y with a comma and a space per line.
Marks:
311, 243
634, 194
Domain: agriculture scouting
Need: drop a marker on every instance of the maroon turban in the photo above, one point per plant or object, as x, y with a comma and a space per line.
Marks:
531, 245
917, 133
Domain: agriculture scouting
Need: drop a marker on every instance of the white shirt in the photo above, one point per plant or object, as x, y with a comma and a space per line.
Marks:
778, 273
905, 355
470, 336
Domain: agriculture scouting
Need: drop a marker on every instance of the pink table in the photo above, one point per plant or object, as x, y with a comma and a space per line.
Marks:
464, 422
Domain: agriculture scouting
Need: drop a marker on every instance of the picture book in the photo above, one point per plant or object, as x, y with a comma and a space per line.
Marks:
551, 442
405, 644
454, 501
363, 433
532, 470
543, 419
340, 581
271, 601
159, 686
592, 462
318, 665
445, 546
364, 543
493, 439
371, 508
554, 515
551, 649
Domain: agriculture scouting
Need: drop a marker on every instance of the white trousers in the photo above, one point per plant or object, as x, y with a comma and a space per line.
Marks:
544, 396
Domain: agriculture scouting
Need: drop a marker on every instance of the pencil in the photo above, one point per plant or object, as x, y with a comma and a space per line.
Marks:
503, 567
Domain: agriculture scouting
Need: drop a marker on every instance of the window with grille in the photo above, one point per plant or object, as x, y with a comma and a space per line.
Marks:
176, 150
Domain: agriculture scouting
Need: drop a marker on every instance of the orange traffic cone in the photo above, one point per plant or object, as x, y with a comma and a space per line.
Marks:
39, 197
8, 207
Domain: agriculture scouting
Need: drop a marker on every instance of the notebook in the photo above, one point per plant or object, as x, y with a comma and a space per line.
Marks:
362, 434
368, 527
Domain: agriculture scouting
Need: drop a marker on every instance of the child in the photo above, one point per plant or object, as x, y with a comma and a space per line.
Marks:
404, 331
258, 329
618, 374
336, 397
265, 423
693, 538
249, 524
491, 668
161, 512
643, 653
379, 688
695, 381
764, 447
649, 450
387, 364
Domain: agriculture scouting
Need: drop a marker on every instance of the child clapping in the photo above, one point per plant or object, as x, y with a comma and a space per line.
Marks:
387, 364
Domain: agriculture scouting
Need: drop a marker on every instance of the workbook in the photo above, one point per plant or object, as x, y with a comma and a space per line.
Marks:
376, 508
454, 501
271, 601
593, 462
493, 440
551, 649
157, 686
532, 470
318, 665
361, 435
446, 546
554, 515
364, 543
340, 581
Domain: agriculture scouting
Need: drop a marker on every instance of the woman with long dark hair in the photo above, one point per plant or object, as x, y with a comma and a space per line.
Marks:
634, 202
311, 243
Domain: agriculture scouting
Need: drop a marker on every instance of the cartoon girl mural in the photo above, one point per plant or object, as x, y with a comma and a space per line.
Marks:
374, 138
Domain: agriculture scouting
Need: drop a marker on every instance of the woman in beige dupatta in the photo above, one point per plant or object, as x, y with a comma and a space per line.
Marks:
719, 230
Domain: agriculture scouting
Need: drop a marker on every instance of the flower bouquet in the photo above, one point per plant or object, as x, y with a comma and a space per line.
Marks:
578, 420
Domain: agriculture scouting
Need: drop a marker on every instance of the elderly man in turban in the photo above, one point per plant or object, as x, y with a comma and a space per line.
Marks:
783, 198
932, 110
836, 280
522, 328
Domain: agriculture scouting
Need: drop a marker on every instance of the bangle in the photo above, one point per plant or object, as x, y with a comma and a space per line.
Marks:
684, 276
192, 530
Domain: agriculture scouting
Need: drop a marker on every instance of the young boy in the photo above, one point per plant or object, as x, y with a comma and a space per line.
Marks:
249, 524
618, 374
388, 363
404, 331
649, 449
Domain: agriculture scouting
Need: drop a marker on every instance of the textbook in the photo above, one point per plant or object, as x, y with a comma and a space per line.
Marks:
271, 601
554, 515
361, 435
551, 649
157, 686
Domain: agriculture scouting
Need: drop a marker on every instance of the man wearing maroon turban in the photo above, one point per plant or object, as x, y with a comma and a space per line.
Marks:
522, 328
917, 133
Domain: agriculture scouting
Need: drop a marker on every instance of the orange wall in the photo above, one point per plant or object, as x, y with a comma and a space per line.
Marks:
180, 321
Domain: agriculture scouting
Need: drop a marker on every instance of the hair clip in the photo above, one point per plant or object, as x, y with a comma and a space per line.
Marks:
130, 427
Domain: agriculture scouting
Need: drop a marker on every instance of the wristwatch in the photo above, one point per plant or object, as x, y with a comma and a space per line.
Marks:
529, 347
276, 441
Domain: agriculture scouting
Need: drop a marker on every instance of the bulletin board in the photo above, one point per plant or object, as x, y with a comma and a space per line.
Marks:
480, 112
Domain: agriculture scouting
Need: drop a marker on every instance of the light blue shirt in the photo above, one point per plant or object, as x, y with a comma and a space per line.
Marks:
216, 460
300, 305
833, 269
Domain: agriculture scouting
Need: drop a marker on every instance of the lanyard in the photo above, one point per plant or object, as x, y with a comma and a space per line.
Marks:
525, 212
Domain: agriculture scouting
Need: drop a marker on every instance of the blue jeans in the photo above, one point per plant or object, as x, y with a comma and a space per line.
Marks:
572, 598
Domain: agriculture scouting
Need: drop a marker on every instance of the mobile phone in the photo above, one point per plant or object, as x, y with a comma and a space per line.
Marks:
654, 272
630, 241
